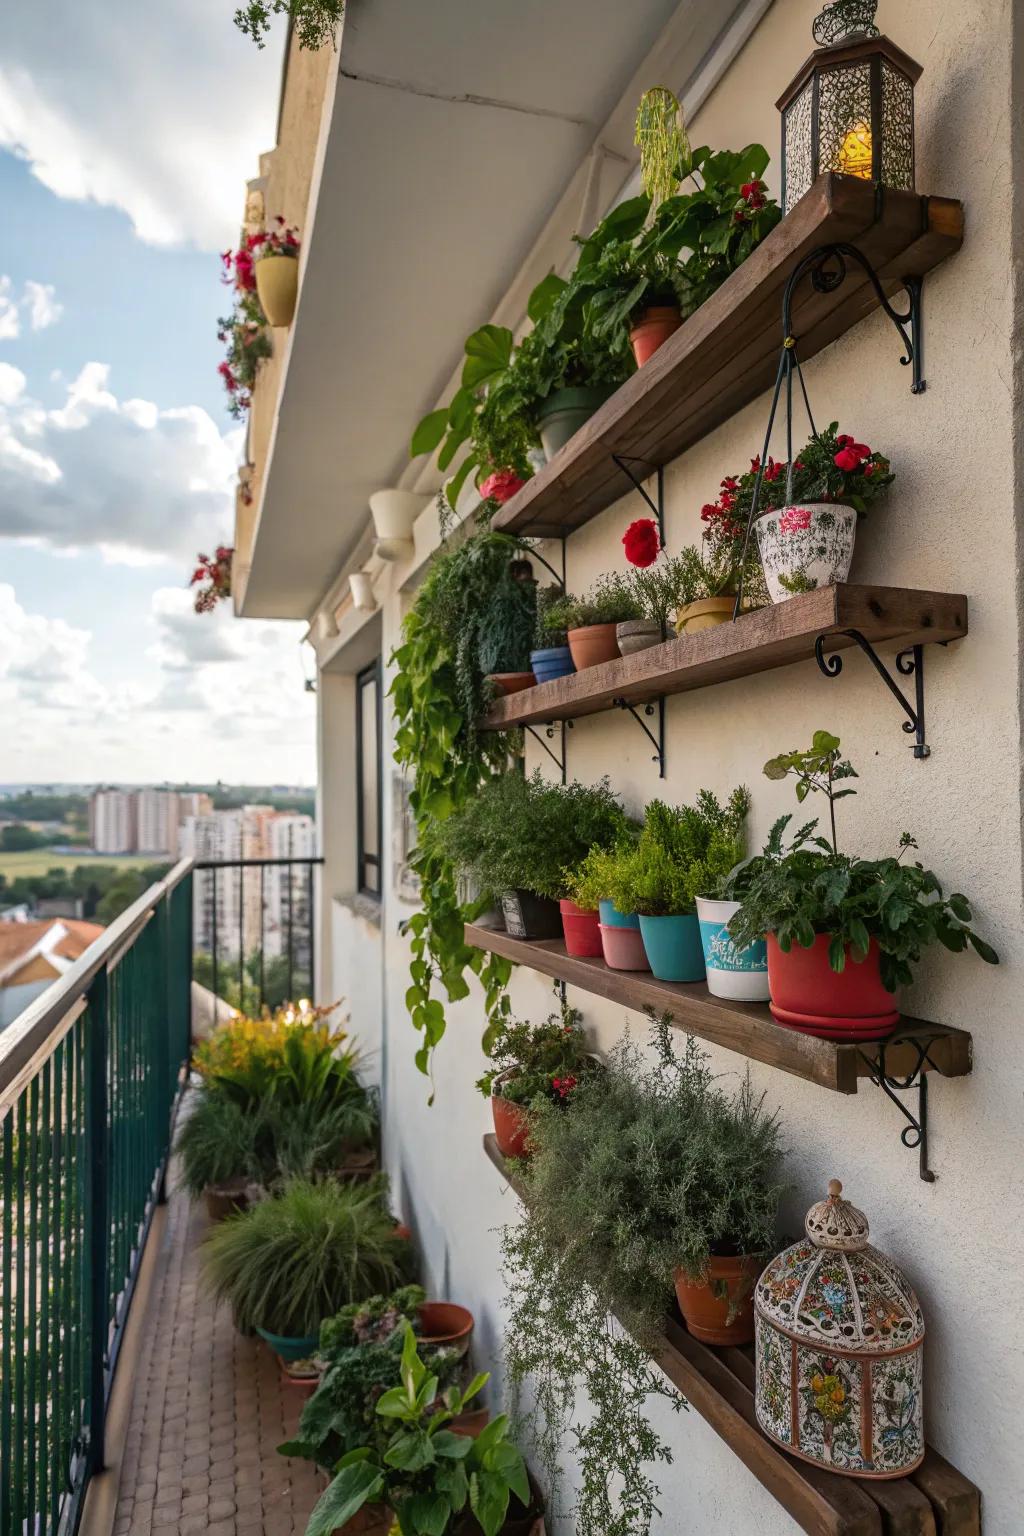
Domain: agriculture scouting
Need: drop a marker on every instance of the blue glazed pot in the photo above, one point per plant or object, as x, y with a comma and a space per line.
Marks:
551, 663
289, 1349
613, 918
673, 947
738, 973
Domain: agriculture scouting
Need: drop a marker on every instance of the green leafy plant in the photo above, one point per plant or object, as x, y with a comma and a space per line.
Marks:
810, 888
523, 833
538, 1060
315, 21
427, 1474
555, 611
218, 1144
650, 1169
289, 1262
590, 882
682, 853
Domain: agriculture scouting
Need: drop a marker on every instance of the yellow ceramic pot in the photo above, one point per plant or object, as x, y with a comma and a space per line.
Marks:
705, 614
277, 283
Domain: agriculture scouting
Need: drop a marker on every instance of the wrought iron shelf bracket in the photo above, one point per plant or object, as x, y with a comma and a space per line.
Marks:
909, 663
560, 759
623, 461
657, 741
914, 1135
535, 554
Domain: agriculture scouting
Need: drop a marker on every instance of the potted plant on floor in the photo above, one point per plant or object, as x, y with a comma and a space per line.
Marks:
531, 1061
551, 657
653, 1176
843, 933
436, 1483
291, 1261
680, 851
275, 253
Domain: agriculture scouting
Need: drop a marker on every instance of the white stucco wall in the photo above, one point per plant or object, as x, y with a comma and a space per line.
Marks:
949, 525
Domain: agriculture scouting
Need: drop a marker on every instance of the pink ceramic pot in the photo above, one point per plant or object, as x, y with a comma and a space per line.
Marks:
624, 949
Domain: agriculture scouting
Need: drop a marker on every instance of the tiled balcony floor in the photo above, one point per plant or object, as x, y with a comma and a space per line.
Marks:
208, 1411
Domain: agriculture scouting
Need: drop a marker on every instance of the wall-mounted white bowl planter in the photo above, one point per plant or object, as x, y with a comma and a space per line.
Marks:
394, 513
361, 587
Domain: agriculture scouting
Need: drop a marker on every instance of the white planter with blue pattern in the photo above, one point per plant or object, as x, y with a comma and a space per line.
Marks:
741, 974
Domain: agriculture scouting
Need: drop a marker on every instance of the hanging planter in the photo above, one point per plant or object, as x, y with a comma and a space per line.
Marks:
394, 513
360, 585
276, 256
805, 547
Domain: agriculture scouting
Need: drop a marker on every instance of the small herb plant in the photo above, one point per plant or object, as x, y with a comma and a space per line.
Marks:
810, 888
555, 609
664, 584
611, 600
533, 1061
682, 853
590, 882
424, 1472
651, 1168
523, 833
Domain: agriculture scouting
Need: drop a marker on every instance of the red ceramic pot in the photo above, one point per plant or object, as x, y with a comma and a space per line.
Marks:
445, 1324
807, 994
511, 682
623, 949
582, 931
511, 1127
654, 326
705, 1303
593, 644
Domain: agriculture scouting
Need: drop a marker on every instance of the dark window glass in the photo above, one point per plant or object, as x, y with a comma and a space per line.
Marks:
368, 778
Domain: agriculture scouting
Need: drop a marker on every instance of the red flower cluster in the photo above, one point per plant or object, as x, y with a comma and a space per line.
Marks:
501, 485
641, 542
754, 195
240, 266
563, 1086
217, 573
851, 454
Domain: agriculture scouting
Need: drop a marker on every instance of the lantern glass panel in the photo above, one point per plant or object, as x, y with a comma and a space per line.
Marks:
897, 129
844, 120
797, 138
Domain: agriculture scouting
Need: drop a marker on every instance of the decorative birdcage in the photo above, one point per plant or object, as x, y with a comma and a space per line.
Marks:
840, 1341
851, 107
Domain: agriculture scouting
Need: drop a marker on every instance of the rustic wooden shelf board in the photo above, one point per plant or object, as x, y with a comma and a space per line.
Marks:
747, 1028
726, 354
718, 1384
771, 637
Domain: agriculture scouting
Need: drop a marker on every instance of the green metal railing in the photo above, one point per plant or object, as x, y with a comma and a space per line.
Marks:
90, 1076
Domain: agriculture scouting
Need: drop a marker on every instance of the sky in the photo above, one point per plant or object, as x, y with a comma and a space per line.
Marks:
127, 133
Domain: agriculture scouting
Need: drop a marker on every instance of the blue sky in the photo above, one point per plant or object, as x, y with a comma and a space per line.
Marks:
125, 142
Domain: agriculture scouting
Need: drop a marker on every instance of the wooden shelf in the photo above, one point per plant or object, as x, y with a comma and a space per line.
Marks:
719, 1385
726, 354
771, 637
747, 1028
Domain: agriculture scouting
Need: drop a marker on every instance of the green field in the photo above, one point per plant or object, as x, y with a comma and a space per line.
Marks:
38, 861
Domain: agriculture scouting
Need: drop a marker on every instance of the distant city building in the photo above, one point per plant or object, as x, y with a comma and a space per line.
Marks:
33, 955
143, 820
112, 824
60, 906
243, 910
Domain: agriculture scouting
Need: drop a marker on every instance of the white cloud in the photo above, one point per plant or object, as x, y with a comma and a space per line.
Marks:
156, 110
40, 299
10, 320
137, 482
43, 665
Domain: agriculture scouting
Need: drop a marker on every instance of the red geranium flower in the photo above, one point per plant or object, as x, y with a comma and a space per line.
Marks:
501, 485
641, 542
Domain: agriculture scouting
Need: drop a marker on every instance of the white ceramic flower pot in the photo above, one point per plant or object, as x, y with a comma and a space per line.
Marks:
741, 974
805, 547
394, 513
361, 587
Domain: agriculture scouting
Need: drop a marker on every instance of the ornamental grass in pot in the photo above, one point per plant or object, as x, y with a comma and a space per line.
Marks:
533, 1061
653, 1174
591, 622
681, 850
843, 933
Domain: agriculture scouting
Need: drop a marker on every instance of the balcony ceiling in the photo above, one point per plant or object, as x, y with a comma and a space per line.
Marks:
451, 141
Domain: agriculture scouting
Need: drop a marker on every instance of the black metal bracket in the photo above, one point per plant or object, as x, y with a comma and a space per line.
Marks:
914, 1135
560, 762
657, 742
623, 461
536, 555
909, 663
827, 268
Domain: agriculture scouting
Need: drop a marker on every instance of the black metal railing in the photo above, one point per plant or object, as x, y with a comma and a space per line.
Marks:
254, 930
90, 1076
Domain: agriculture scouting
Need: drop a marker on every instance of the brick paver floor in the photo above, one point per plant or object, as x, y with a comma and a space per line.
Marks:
209, 1409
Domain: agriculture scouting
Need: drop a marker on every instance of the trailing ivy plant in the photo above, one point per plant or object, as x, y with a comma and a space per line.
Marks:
315, 21
474, 608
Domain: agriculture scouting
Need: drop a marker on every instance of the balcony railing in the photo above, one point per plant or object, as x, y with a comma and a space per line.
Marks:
255, 929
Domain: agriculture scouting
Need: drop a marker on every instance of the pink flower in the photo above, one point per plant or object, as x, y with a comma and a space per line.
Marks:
795, 519
501, 485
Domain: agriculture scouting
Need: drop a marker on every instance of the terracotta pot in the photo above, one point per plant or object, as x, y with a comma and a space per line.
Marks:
445, 1324
359, 1166
582, 931
705, 1303
512, 682
654, 326
470, 1423
372, 1520
808, 995
225, 1200
623, 949
277, 283
593, 644
301, 1386
511, 1127
531, 917
637, 635
705, 614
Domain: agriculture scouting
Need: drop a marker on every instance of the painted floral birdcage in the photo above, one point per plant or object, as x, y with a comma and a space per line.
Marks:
840, 1341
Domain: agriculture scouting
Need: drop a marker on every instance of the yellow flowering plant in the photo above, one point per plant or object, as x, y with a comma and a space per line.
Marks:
292, 1056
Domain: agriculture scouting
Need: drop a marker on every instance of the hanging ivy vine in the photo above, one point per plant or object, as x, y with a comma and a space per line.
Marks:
474, 614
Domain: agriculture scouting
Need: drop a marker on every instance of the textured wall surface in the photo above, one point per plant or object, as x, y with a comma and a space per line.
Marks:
949, 524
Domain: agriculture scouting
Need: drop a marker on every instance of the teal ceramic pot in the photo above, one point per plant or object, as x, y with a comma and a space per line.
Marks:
741, 974
673, 947
564, 412
613, 918
289, 1348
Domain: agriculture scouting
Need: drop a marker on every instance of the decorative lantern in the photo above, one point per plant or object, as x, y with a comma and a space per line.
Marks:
851, 107
840, 1350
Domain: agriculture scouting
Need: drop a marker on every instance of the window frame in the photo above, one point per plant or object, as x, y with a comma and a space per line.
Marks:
369, 677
